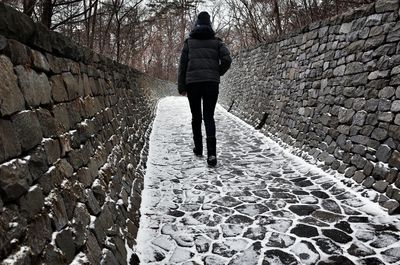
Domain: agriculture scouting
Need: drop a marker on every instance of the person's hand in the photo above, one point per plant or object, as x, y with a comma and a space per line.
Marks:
183, 93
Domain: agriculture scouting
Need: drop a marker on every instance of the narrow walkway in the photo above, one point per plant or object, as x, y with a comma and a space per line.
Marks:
260, 205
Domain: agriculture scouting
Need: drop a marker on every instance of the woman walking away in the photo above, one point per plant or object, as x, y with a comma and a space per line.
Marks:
203, 60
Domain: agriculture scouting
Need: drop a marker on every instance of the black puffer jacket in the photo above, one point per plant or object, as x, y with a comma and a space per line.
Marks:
204, 58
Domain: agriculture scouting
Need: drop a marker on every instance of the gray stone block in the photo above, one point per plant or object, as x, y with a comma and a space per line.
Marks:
380, 186
15, 179
39, 233
359, 118
359, 177
345, 115
379, 134
397, 119
59, 216
72, 86
382, 6
58, 90
384, 105
18, 53
35, 87
383, 153
395, 159
368, 182
12, 99
61, 117
92, 203
11, 146
52, 149
39, 61
27, 129
387, 92
32, 202
380, 171
394, 33
65, 243
395, 106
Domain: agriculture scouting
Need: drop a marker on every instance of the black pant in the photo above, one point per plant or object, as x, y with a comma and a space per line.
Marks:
208, 91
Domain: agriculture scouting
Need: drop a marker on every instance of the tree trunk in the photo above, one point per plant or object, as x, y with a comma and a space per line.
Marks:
277, 17
29, 6
94, 19
47, 12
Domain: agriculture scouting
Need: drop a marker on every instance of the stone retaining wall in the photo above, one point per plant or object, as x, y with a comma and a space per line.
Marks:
332, 90
73, 131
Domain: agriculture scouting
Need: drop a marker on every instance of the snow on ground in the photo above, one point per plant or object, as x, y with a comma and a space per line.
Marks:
260, 205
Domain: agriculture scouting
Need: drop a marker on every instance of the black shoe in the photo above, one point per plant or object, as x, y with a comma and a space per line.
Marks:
197, 152
212, 161
211, 151
198, 145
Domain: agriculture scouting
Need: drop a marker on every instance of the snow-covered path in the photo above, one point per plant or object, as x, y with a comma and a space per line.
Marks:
260, 205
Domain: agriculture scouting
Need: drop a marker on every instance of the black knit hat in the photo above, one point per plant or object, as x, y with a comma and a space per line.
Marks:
203, 19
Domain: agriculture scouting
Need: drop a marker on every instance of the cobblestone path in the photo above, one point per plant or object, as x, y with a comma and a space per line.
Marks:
260, 205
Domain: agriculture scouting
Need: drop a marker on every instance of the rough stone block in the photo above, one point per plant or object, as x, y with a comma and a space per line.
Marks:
92, 203
15, 179
47, 123
9, 142
72, 86
3, 43
394, 33
392, 176
345, 115
379, 134
39, 61
27, 129
384, 105
383, 153
65, 242
35, 87
58, 91
103, 223
392, 206
354, 68
359, 118
18, 53
51, 255
93, 250
380, 186
387, 92
359, 177
368, 182
32, 202
350, 172
37, 162
382, 6
397, 119
59, 216
12, 99
395, 107
380, 171
52, 149
61, 116
394, 132
395, 159
39, 233
385, 116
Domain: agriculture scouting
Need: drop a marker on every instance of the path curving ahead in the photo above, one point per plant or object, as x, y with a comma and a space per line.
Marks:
260, 205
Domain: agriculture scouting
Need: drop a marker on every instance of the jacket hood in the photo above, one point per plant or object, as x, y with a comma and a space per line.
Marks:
202, 32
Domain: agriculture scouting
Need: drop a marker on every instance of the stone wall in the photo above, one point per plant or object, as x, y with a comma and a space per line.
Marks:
331, 90
73, 134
